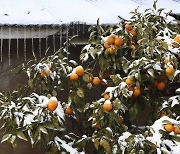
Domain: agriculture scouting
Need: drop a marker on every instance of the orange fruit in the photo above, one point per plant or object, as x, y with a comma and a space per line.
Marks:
176, 130
106, 96
169, 127
136, 92
45, 73
163, 114
107, 106
177, 38
121, 120
161, 86
128, 27
118, 42
166, 60
96, 81
74, 77
106, 45
52, 105
79, 70
170, 70
101, 143
133, 32
68, 111
97, 126
90, 78
129, 81
110, 51
111, 39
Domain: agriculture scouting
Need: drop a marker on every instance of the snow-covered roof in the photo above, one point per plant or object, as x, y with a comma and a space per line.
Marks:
27, 12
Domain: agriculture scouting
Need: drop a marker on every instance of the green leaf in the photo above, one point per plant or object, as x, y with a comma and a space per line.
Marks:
107, 146
5, 137
21, 135
30, 83
96, 143
150, 71
80, 92
54, 93
43, 129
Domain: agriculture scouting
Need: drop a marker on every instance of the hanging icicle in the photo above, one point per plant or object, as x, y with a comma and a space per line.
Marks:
17, 41
40, 41
46, 37
83, 28
67, 38
32, 38
73, 28
25, 56
1, 43
9, 48
54, 41
77, 28
60, 37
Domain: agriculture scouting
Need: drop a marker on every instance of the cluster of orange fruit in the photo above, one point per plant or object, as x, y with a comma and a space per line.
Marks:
129, 28
79, 71
169, 127
112, 43
136, 90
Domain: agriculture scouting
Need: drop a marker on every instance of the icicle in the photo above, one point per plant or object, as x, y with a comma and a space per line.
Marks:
60, 37
83, 28
32, 40
77, 28
67, 37
1, 43
25, 43
73, 28
46, 37
54, 41
39, 41
9, 48
17, 42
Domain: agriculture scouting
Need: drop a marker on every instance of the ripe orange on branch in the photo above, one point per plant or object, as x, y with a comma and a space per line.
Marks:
170, 70
68, 111
118, 41
128, 27
96, 81
106, 96
110, 51
45, 73
107, 106
161, 86
111, 39
176, 130
79, 70
177, 38
52, 105
74, 77
169, 127
136, 92
133, 32
129, 81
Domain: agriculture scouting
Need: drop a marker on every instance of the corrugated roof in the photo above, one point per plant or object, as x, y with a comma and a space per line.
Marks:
28, 12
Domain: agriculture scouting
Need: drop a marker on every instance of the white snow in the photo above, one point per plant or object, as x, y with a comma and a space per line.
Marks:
67, 147
67, 11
